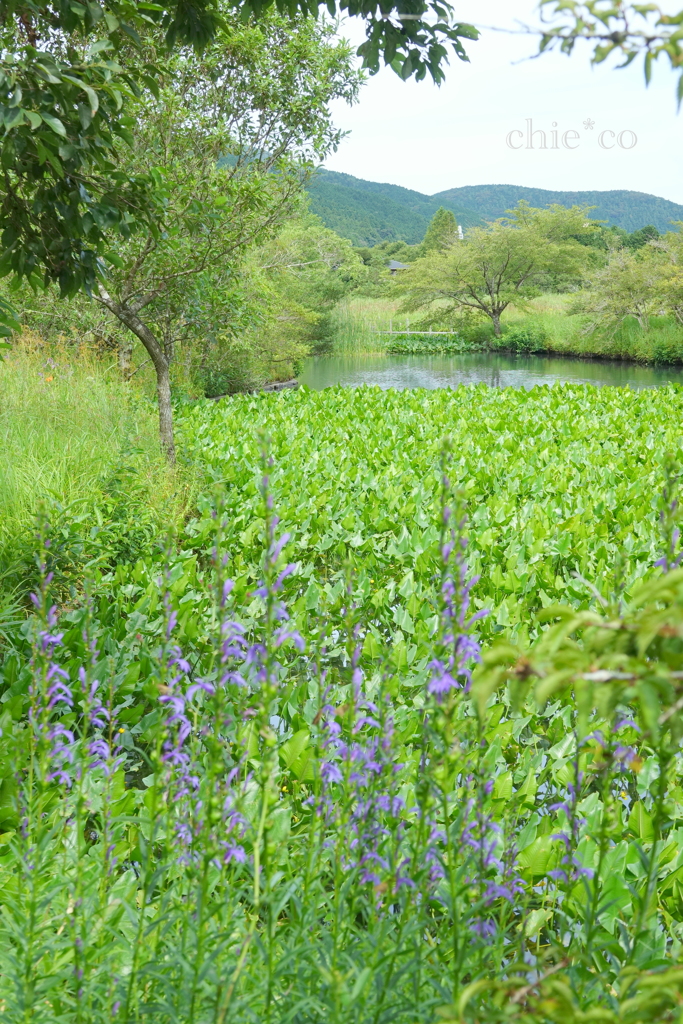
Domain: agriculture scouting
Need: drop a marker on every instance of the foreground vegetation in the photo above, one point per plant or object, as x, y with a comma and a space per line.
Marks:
358, 714
277, 779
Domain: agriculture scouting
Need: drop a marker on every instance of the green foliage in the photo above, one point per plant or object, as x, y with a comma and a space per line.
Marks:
627, 210
505, 263
378, 256
366, 492
441, 232
524, 338
425, 344
81, 444
637, 239
509, 854
68, 76
371, 213
631, 285
229, 180
628, 30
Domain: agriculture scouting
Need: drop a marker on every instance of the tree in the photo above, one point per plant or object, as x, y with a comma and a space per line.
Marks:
670, 246
631, 285
495, 266
638, 239
281, 299
70, 74
441, 231
228, 141
310, 266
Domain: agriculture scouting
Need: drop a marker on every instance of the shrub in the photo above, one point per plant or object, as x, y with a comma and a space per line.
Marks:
524, 338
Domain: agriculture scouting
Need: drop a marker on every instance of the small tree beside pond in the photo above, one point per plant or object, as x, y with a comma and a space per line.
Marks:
507, 262
229, 140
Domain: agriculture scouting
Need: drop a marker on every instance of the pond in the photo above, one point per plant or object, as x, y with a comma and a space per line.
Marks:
494, 369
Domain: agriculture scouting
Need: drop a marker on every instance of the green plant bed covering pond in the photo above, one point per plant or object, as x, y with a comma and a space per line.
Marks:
425, 344
290, 771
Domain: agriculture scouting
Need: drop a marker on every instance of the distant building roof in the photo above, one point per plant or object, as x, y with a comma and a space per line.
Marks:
394, 265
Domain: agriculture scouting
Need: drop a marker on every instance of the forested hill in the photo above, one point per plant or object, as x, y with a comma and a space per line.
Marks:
369, 212
629, 210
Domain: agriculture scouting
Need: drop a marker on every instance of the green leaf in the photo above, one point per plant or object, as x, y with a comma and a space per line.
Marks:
528, 790
502, 787
114, 259
33, 118
640, 823
535, 921
537, 858
294, 746
55, 124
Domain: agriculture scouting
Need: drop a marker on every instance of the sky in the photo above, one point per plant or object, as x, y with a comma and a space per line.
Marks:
430, 139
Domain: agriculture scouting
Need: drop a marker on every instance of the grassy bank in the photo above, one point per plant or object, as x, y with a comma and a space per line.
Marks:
80, 446
545, 326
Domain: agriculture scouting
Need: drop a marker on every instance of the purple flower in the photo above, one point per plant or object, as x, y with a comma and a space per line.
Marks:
624, 756
441, 681
330, 772
484, 927
61, 753
283, 634
459, 649
201, 686
233, 852
626, 723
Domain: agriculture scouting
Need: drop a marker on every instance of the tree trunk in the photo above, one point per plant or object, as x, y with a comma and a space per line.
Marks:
130, 319
165, 412
125, 357
496, 324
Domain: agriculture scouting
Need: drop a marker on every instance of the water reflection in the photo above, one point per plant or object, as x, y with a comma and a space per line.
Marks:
500, 371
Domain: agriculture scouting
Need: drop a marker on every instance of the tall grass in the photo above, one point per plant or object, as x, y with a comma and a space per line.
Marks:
358, 323
569, 334
73, 435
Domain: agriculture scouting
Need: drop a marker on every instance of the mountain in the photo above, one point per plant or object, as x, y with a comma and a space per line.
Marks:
629, 210
369, 212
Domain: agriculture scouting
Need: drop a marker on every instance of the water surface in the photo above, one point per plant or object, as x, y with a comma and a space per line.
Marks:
502, 371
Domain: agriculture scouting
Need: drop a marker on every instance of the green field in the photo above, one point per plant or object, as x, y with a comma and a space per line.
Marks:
361, 841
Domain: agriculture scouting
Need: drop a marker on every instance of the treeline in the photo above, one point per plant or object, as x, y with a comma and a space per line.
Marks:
481, 285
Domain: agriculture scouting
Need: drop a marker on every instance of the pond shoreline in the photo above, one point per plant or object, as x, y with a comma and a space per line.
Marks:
549, 353
591, 357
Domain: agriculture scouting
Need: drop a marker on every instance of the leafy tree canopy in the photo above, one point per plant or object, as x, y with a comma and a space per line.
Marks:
441, 231
498, 265
68, 75
228, 141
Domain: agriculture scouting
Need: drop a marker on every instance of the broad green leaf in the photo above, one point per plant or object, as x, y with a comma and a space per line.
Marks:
640, 823
54, 123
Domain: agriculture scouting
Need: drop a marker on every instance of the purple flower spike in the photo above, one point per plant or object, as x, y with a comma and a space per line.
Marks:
330, 772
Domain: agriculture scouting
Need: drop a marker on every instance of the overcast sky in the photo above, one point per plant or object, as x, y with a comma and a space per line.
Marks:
430, 139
